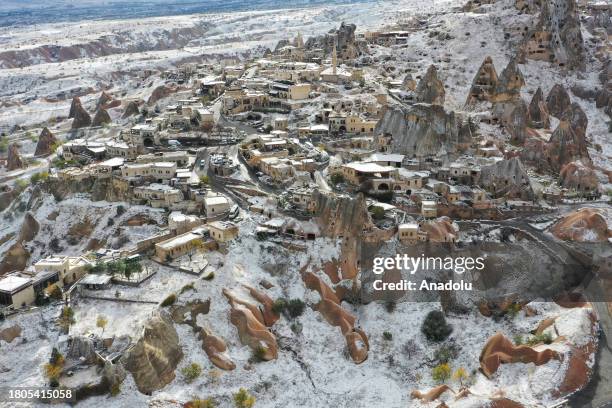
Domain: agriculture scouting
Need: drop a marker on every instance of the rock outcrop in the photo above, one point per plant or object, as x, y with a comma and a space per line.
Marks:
577, 176
430, 88
14, 161
409, 84
343, 38
557, 101
507, 178
499, 350
538, 117
161, 92
215, 348
10, 333
264, 313
15, 259
131, 109
432, 394
281, 44
46, 140
347, 217
76, 102
557, 37
267, 312
516, 123
80, 115
29, 228
509, 84
106, 101
577, 119
101, 118
566, 145
251, 330
440, 230
484, 83
422, 130
584, 225
329, 307
341, 215
155, 355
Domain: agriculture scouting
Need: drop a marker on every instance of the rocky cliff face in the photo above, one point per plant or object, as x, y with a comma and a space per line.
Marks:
29, 228
584, 225
155, 355
160, 92
250, 323
330, 308
557, 101
14, 161
347, 217
103, 99
46, 140
484, 83
430, 88
507, 178
499, 350
422, 130
538, 117
80, 115
101, 118
516, 123
557, 37
131, 109
344, 39
566, 145
16, 259
509, 85
577, 176
409, 84
76, 101
341, 215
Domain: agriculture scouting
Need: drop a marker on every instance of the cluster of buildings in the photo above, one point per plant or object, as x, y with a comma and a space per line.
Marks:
19, 289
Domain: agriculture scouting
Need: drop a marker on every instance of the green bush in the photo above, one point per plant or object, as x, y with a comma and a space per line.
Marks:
518, 339
378, 213
513, 310
441, 373
279, 305
545, 338
169, 301
387, 336
295, 307
435, 327
259, 353
191, 372
201, 403
242, 399
39, 177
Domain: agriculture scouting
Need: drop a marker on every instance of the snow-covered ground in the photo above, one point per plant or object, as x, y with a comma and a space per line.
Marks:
313, 368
